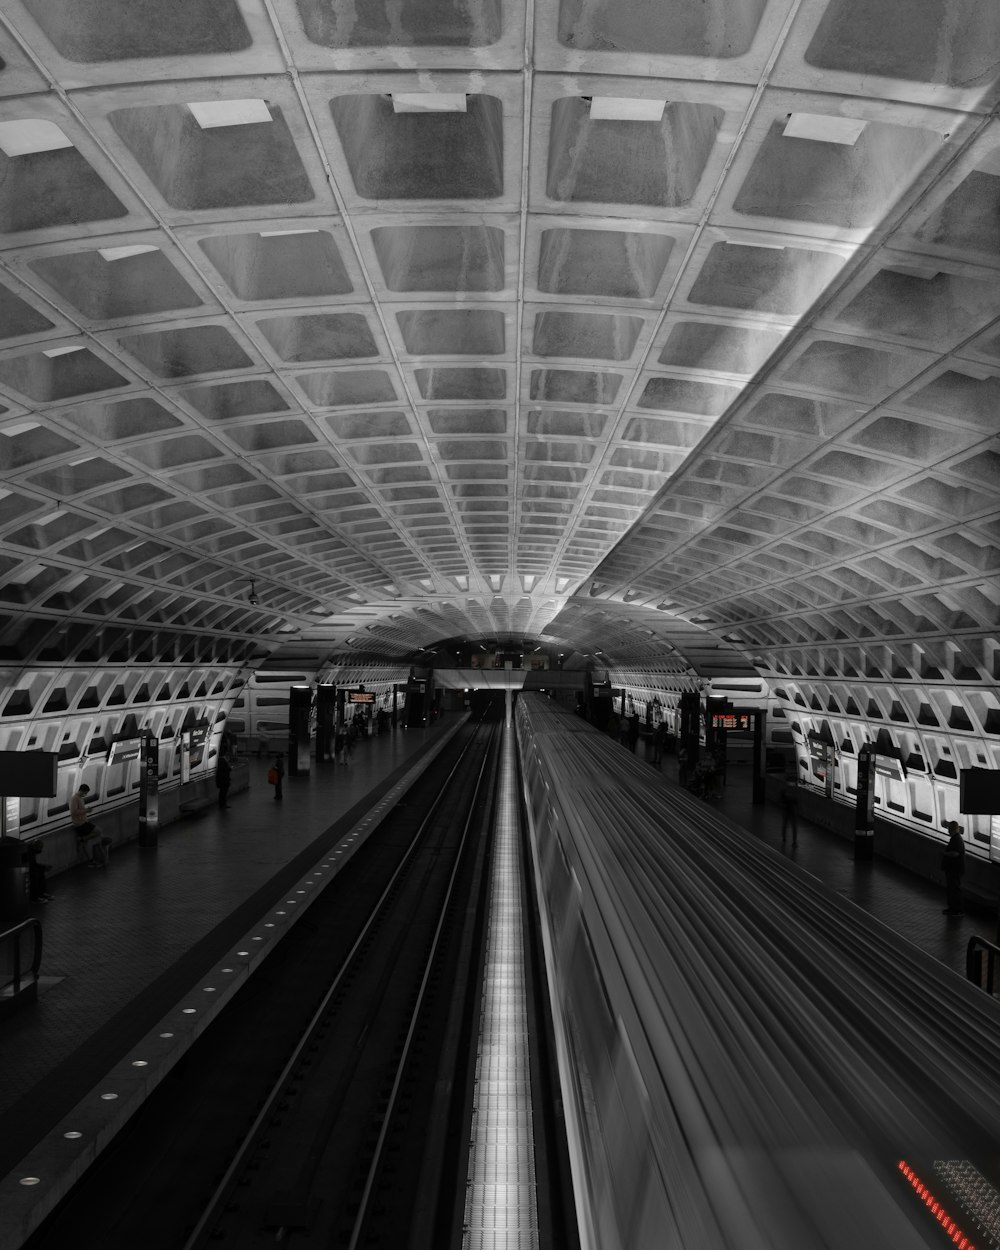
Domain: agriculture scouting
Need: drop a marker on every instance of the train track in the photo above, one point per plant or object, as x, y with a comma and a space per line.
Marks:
323, 1108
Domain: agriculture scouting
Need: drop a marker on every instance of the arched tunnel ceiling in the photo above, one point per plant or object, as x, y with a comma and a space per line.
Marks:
607, 320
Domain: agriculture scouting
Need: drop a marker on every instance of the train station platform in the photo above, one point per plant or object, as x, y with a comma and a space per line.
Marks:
907, 903
129, 952
140, 957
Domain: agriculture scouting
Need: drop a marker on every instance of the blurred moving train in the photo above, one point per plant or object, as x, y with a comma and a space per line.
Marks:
747, 1060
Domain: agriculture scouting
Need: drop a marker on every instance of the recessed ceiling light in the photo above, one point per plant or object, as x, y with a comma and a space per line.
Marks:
926, 272
273, 234
32, 134
824, 128
611, 108
766, 247
428, 102
211, 113
132, 249
51, 352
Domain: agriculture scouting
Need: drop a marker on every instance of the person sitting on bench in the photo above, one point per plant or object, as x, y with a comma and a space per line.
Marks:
95, 846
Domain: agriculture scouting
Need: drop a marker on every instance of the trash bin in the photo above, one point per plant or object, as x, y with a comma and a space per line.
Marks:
14, 896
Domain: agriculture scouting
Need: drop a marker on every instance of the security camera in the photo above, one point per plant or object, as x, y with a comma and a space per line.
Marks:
252, 597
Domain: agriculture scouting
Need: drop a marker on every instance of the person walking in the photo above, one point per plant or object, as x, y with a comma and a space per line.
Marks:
95, 846
790, 811
275, 776
953, 866
223, 778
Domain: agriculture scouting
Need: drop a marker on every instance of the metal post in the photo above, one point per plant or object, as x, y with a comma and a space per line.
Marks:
149, 789
759, 758
864, 809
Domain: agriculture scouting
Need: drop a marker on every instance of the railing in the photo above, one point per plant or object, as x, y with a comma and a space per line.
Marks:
976, 966
16, 985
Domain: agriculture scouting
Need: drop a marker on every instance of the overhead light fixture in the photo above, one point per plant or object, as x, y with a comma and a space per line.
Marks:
824, 128
609, 108
31, 135
123, 253
428, 102
252, 597
210, 114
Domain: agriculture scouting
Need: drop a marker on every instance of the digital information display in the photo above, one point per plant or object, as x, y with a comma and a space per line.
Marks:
733, 720
360, 696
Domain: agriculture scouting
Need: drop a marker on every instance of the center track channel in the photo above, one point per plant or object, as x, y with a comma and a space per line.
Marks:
322, 1109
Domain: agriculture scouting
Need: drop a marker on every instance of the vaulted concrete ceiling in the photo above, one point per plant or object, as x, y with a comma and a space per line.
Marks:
656, 326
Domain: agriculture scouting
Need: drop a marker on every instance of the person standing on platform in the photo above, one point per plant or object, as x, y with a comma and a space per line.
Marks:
223, 777
95, 846
275, 776
633, 732
790, 811
659, 742
38, 890
953, 866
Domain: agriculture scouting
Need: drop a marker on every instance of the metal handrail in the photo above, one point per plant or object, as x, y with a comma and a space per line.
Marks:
14, 936
974, 962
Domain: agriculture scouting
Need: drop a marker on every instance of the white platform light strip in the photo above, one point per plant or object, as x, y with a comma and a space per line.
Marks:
500, 1208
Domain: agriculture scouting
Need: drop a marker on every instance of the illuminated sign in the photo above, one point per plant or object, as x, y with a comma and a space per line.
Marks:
736, 718
124, 750
360, 696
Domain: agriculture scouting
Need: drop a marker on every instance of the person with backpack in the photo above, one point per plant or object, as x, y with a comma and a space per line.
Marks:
275, 775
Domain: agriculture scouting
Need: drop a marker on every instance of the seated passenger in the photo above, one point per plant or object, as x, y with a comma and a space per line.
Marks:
95, 846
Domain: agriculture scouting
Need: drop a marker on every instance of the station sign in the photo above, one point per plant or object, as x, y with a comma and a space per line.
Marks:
889, 766
818, 748
197, 736
124, 750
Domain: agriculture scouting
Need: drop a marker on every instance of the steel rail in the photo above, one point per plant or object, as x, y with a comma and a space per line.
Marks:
373, 1167
267, 1108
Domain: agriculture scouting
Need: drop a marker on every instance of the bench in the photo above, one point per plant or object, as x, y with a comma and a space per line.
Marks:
196, 804
81, 844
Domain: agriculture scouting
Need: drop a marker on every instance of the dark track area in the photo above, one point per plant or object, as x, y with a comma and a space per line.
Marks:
170, 1158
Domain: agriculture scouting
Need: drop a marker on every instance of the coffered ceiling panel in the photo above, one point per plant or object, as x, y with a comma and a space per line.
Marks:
678, 322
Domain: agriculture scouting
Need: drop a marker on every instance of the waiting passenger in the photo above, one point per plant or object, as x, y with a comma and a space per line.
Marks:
223, 779
632, 734
953, 866
38, 889
275, 776
659, 742
95, 846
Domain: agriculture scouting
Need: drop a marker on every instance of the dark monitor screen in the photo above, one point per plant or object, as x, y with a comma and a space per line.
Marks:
28, 774
979, 791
